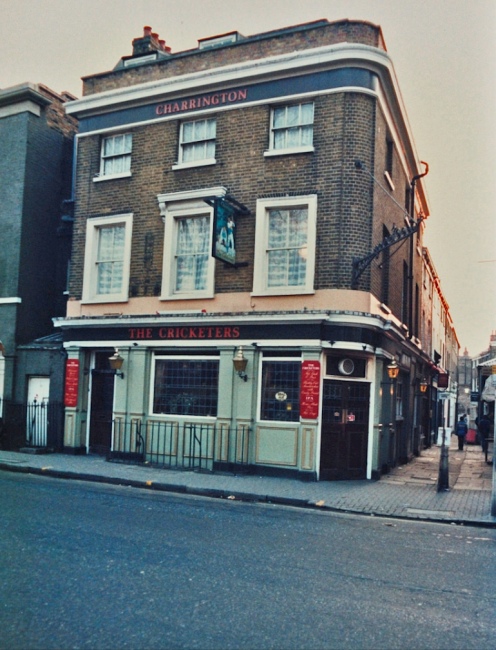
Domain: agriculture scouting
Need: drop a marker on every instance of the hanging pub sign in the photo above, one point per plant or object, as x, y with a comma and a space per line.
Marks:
226, 211
443, 380
224, 241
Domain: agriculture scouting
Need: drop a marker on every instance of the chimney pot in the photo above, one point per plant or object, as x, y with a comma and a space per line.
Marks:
147, 30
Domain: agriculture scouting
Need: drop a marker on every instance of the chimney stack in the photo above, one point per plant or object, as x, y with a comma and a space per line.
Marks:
149, 42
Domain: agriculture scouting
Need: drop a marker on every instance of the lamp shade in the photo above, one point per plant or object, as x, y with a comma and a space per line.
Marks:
239, 361
393, 369
116, 360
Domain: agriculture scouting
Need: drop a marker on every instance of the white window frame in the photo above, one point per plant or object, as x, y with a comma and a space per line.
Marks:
174, 213
260, 286
181, 164
302, 148
125, 174
93, 228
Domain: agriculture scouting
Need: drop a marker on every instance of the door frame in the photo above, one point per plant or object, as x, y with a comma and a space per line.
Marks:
369, 423
95, 354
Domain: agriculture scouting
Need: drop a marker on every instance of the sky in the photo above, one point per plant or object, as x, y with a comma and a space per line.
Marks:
444, 55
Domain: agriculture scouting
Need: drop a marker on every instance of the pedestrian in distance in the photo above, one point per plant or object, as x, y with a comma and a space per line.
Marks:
484, 426
461, 432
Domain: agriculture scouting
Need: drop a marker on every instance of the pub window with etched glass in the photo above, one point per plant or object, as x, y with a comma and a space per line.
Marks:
115, 157
280, 391
186, 386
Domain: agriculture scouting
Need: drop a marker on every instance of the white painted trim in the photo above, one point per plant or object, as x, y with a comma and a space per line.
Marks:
189, 195
287, 152
196, 163
260, 270
229, 107
21, 107
110, 177
10, 301
92, 226
171, 214
336, 54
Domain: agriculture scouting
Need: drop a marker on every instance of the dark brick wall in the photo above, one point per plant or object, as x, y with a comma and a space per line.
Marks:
343, 132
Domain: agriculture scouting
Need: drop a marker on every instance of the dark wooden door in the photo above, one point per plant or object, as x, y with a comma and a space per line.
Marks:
102, 402
345, 421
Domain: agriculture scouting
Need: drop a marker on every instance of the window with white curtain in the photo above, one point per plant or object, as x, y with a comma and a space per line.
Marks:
107, 259
188, 270
285, 245
115, 159
197, 142
192, 253
292, 127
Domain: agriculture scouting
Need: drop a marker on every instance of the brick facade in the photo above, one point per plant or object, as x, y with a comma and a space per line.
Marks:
358, 172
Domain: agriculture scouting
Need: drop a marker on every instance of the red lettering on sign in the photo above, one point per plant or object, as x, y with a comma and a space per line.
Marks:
71, 382
310, 390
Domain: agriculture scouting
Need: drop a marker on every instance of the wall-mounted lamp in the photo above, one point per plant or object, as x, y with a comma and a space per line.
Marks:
240, 363
393, 369
423, 384
116, 362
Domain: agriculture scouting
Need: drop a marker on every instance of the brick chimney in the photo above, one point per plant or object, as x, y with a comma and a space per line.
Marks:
149, 42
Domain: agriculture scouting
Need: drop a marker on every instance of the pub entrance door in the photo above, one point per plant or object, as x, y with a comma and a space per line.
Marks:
345, 422
102, 404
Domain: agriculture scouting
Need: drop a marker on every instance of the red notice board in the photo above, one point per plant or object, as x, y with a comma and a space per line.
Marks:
71, 382
310, 390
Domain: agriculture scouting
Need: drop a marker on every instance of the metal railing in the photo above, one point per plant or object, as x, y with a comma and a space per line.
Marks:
181, 445
31, 424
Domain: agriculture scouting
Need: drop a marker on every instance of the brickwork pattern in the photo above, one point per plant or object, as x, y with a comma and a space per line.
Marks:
264, 45
343, 132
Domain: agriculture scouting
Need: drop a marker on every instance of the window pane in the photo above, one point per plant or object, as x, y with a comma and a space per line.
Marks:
280, 140
186, 387
192, 253
293, 138
110, 266
287, 247
292, 126
211, 128
293, 115
279, 117
188, 130
198, 140
200, 130
108, 146
280, 399
307, 135
307, 114
116, 154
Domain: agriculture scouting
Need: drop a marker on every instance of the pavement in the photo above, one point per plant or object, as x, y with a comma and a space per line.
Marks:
407, 492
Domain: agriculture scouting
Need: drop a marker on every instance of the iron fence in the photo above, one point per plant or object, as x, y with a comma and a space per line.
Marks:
181, 445
31, 424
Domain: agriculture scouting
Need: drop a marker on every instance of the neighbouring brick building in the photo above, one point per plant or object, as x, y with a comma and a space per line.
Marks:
36, 141
248, 235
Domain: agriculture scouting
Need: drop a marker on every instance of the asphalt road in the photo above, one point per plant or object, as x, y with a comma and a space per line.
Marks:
103, 567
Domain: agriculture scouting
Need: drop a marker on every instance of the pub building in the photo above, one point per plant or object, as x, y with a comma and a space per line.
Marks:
248, 286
